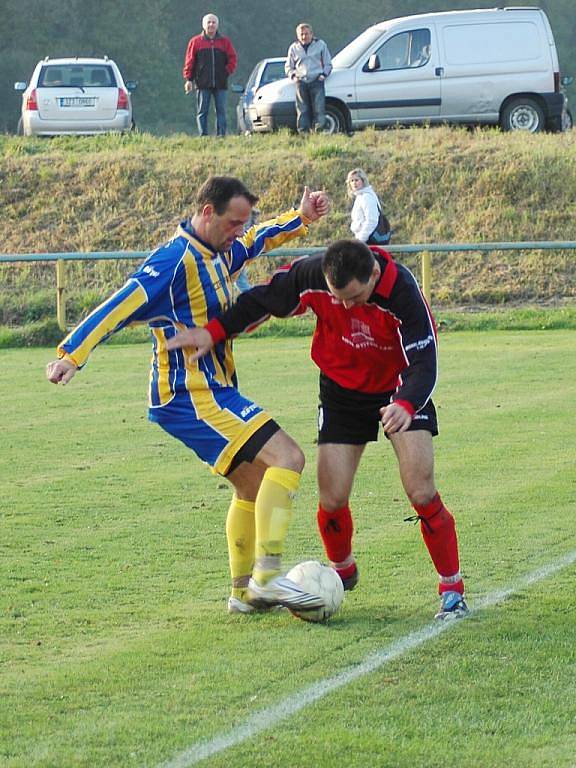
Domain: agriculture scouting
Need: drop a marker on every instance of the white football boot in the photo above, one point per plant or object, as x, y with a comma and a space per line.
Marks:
284, 592
235, 605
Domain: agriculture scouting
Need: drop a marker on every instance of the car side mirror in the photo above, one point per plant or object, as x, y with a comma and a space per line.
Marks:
131, 85
567, 80
373, 63
237, 88
20, 86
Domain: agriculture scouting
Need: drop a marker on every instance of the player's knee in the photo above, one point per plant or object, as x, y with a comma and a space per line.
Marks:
247, 488
290, 455
331, 500
419, 497
295, 459
282, 451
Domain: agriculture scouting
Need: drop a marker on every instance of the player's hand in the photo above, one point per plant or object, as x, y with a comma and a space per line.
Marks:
395, 418
60, 371
192, 337
314, 205
188, 86
322, 202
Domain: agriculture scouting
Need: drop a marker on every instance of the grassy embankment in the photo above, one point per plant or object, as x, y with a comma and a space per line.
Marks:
438, 185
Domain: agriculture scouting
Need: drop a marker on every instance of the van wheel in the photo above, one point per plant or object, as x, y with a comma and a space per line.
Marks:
523, 114
335, 120
567, 122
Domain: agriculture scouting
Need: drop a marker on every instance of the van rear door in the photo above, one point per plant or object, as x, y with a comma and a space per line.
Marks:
487, 61
397, 81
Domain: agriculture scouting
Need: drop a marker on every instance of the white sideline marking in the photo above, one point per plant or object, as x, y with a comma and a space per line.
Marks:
266, 718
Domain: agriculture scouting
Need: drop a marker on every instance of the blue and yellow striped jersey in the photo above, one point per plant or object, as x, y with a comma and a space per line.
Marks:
184, 283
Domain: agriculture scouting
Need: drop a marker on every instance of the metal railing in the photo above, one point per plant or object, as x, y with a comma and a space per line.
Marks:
424, 249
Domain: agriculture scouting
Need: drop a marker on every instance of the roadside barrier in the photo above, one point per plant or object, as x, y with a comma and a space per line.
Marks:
424, 250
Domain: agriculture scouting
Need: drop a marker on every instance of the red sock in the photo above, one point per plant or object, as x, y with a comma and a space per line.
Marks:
439, 534
336, 530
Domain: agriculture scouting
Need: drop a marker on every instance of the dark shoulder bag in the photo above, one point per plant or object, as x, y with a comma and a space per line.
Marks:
382, 233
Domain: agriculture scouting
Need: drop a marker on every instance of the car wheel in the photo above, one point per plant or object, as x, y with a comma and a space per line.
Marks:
567, 122
20, 128
335, 120
523, 114
132, 126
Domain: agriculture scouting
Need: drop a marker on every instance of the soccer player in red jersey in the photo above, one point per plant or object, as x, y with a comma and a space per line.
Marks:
375, 345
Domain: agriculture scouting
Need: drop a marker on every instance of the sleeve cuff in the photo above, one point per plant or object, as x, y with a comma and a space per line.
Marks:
407, 406
62, 355
216, 330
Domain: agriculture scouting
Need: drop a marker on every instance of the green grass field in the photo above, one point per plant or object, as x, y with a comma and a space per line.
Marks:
115, 645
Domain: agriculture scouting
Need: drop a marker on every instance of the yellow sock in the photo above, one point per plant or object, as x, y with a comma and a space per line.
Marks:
240, 534
273, 515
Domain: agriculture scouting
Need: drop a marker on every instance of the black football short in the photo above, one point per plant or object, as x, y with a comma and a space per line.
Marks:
353, 418
254, 445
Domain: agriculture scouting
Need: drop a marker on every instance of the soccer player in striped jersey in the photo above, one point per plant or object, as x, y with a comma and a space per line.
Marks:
375, 345
188, 282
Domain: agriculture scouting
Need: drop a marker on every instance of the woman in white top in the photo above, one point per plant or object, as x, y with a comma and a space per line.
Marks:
366, 208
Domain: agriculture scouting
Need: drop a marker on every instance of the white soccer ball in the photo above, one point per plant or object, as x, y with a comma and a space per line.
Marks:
320, 580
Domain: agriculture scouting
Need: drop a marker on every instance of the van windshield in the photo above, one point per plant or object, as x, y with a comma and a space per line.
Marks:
352, 52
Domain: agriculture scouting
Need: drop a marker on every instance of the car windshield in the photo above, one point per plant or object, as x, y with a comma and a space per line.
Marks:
77, 75
273, 71
252, 79
352, 52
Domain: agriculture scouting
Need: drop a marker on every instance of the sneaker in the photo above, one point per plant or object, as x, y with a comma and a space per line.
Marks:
284, 592
452, 606
235, 605
239, 606
350, 581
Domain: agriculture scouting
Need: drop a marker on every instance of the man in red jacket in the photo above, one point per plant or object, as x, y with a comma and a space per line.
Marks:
375, 345
210, 60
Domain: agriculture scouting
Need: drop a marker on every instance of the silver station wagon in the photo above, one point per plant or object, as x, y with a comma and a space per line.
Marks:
75, 96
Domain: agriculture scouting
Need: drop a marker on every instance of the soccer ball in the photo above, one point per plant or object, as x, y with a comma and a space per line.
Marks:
320, 580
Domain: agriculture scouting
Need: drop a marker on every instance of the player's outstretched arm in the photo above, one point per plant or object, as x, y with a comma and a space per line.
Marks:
314, 205
60, 371
192, 337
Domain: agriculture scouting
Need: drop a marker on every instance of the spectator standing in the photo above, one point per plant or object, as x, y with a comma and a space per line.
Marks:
308, 64
366, 215
210, 60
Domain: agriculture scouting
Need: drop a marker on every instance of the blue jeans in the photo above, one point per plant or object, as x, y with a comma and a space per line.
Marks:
310, 106
203, 105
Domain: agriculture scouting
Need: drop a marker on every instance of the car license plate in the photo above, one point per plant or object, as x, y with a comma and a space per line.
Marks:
77, 101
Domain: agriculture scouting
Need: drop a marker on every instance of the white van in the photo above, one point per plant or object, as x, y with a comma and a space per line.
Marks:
497, 66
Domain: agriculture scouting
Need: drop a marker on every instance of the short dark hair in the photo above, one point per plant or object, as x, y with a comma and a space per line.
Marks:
347, 260
219, 190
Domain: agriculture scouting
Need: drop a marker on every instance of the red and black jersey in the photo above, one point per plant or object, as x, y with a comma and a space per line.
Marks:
388, 344
209, 61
